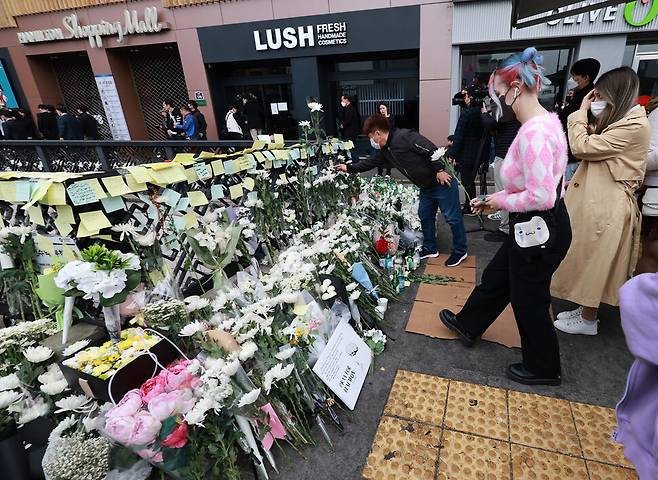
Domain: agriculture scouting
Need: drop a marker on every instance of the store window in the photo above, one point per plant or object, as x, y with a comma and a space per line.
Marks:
644, 60
476, 68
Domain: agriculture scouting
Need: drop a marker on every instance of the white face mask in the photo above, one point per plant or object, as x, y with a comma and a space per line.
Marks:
374, 144
597, 107
571, 84
343, 103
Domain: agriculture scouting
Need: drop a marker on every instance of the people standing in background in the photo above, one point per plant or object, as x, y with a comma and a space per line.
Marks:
648, 262
188, 127
581, 82
349, 119
504, 126
466, 147
47, 122
88, 123
233, 121
610, 134
253, 117
201, 123
7, 124
69, 126
172, 117
385, 112
25, 126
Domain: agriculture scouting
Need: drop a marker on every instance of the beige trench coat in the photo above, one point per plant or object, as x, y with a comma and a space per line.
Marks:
605, 219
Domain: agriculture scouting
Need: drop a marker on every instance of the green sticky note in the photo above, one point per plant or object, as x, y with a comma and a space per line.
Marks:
180, 223
217, 191
294, 154
197, 198
252, 195
170, 197
183, 203
202, 171
23, 191
230, 167
112, 204
235, 191
81, 193
36, 215
249, 183
65, 214
267, 154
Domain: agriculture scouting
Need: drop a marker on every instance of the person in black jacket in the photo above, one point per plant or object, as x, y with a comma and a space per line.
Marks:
418, 159
202, 125
172, 117
467, 144
583, 74
349, 119
25, 129
7, 124
69, 127
47, 122
386, 113
253, 117
88, 123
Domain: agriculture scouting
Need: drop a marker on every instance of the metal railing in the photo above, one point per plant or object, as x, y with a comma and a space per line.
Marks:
103, 155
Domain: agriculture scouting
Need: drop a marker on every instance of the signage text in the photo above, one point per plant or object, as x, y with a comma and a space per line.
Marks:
324, 34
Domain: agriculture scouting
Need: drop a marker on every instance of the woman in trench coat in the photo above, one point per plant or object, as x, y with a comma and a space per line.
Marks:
600, 199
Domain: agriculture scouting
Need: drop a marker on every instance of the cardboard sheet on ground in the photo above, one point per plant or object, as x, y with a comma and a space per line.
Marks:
465, 272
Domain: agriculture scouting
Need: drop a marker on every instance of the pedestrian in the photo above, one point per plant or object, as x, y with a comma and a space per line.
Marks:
3, 99
648, 262
386, 113
47, 122
418, 159
7, 124
233, 121
253, 115
188, 127
520, 272
467, 144
172, 117
25, 127
68, 126
601, 199
348, 118
201, 123
504, 126
581, 82
88, 123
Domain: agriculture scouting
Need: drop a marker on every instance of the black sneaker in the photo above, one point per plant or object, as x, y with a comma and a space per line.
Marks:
449, 319
427, 254
455, 259
520, 374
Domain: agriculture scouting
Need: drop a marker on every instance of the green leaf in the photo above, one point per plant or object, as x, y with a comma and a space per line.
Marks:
49, 293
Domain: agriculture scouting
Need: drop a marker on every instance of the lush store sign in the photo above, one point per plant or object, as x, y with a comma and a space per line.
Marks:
321, 35
72, 29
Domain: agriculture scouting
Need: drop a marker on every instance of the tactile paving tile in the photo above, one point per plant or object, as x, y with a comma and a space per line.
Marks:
542, 422
530, 463
403, 449
469, 457
595, 426
477, 409
417, 396
601, 471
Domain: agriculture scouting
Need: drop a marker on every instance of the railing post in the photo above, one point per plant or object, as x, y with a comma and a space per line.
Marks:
100, 154
43, 157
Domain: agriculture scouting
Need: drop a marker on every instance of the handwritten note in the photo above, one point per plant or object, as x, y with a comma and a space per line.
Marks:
235, 191
197, 198
81, 193
202, 171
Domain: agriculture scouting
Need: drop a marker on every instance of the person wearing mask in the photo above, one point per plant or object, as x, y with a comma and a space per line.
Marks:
386, 113
504, 126
172, 117
254, 118
583, 73
349, 119
88, 123
601, 199
467, 142
233, 119
418, 159
188, 128
519, 272
68, 126
202, 125
47, 122
25, 127
648, 262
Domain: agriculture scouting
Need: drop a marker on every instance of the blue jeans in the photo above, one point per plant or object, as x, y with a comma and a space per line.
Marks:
447, 198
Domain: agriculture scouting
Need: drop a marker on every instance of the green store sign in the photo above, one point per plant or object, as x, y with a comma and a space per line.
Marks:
629, 12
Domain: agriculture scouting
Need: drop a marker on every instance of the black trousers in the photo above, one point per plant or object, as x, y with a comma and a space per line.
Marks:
468, 180
512, 277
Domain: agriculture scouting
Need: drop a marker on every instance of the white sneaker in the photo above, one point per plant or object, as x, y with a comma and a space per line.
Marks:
577, 326
570, 314
494, 216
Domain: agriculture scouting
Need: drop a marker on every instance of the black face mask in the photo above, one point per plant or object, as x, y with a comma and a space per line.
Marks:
508, 114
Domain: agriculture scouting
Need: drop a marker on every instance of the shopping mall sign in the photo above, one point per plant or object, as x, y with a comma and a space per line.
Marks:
72, 29
629, 13
609, 14
323, 34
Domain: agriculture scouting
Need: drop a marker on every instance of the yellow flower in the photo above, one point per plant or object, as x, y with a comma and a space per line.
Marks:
100, 369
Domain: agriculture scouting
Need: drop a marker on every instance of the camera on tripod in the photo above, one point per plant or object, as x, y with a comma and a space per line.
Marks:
479, 95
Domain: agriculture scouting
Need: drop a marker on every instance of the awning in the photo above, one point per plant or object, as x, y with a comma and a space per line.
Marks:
532, 12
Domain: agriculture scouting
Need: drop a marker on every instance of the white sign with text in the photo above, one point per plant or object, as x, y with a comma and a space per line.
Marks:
321, 35
116, 120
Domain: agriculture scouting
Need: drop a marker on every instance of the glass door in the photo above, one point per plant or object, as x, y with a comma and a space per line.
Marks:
646, 66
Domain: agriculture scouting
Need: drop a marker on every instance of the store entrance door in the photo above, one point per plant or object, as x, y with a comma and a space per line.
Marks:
646, 66
274, 102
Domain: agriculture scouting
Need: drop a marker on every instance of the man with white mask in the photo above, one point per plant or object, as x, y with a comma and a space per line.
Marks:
581, 82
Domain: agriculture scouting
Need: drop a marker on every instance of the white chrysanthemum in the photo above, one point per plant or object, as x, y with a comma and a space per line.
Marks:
9, 382
51, 375
231, 368
124, 229
305, 123
54, 388
315, 107
196, 302
355, 295
276, 373
249, 398
62, 426
285, 354
75, 347
191, 328
37, 354
9, 397
72, 403
247, 351
147, 239
38, 409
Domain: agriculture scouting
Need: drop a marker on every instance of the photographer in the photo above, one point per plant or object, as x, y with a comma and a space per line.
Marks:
466, 149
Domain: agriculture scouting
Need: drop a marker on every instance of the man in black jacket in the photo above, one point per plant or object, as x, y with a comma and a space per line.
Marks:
202, 125
421, 162
583, 74
68, 125
47, 122
88, 123
349, 119
253, 117
172, 118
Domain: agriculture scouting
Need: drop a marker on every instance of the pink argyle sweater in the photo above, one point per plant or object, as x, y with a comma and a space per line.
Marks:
533, 166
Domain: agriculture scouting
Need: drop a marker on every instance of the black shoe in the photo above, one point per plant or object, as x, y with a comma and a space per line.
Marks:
497, 236
520, 374
455, 259
449, 319
427, 254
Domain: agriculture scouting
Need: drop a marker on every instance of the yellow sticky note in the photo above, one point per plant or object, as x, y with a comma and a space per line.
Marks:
133, 184
197, 198
96, 187
36, 215
184, 158
56, 195
190, 220
235, 191
217, 167
283, 178
258, 145
84, 232
174, 174
68, 253
300, 310
191, 175
249, 183
206, 155
39, 193
94, 221
65, 214
156, 276
115, 186
140, 174
278, 140
260, 157
63, 227
8, 191
45, 244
